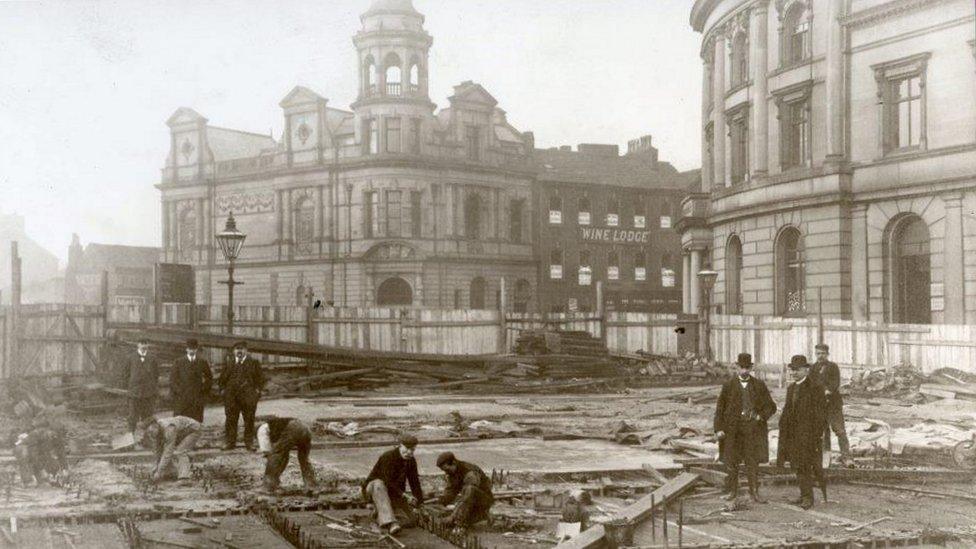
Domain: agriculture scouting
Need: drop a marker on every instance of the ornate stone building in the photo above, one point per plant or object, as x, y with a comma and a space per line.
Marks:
839, 152
392, 202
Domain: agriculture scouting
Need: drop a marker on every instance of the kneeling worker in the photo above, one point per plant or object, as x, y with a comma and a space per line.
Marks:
386, 484
170, 437
468, 490
277, 436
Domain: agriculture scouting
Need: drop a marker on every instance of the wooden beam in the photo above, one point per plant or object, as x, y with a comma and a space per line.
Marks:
328, 377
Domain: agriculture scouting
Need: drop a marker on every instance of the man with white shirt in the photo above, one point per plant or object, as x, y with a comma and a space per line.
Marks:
801, 428
277, 437
189, 383
241, 381
744, 406
171, 438
143, 374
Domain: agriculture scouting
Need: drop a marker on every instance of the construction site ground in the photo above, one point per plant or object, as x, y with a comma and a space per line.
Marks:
539, 447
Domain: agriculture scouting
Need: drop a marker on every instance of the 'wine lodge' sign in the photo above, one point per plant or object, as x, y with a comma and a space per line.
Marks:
614, 236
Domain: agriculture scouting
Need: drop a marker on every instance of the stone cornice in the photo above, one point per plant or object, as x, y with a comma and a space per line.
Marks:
895, 8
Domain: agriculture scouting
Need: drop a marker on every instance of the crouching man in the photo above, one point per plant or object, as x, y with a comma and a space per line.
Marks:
467, 494
386, 485
169, 438
277, 437
39, 445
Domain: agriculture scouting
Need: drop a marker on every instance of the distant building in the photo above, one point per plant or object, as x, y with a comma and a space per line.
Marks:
38, 266
129, 268
608, 218
839, 159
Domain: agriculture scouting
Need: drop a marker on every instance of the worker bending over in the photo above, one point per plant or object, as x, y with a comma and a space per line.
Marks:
39, 441
277, 437
467, 494
169, 438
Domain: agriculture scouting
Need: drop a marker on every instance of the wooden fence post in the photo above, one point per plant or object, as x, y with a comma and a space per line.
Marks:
502, 308
103, 294
601, 311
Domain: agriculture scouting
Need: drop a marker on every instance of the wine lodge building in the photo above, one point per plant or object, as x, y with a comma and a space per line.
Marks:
839, 157
396, 203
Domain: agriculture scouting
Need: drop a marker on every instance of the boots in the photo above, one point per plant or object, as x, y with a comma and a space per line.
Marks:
753, 476
733, 490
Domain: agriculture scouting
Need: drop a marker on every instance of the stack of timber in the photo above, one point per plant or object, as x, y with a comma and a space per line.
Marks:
551, 342
564, 354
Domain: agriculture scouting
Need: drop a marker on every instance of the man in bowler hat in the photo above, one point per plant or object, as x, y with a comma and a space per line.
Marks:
189, 383
801, 428
241, 381
744, 406
828, 374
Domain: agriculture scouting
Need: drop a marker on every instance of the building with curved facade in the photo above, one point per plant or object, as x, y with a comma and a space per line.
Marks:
839, 159
391, 202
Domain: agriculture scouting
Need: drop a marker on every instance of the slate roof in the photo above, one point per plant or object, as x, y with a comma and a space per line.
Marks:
629, 170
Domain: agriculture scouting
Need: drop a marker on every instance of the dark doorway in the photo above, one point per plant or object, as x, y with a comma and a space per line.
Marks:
394, 291
911, 272
477, 295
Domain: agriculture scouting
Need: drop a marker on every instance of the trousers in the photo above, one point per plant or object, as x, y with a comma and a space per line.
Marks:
294, 436
472, 506
389, 509
237, 403
835, 423
140, 408
806, 472
178, 446
744, 436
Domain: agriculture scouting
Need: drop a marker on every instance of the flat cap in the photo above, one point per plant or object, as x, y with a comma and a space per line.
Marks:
445, 458
821, 347
407, 440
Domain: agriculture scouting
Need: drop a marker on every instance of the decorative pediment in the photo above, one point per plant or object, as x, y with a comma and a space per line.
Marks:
301, 96
184, 116
392, 251
471, 92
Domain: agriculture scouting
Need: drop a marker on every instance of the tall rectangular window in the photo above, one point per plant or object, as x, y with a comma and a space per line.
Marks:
640, 267
515, 220
372, 211
583, 214
394, 213
739, 132
393, 135
798, 133
555, 210
415, 135
901, 86
613, 266
472, 137
556, 264
613, 213
415, 214
906, 112
585, 274
371, 136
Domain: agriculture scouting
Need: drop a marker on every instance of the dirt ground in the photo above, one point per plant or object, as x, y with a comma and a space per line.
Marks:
546, 444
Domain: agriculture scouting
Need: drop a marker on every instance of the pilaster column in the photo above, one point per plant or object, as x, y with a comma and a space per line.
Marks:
718, 111
695, 295
279, 221
685, 282
706, 175
954, 274
835, 81
319, 217
207, 229
288, 223
758, 28
860, 287
164, 218
174, 240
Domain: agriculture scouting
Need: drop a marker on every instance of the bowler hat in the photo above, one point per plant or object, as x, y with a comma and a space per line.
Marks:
445, 458
799, 361
744, 360
409, 441
822, 347
192, 344
240, 345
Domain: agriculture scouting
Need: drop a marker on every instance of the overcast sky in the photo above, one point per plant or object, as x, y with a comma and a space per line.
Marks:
87, 86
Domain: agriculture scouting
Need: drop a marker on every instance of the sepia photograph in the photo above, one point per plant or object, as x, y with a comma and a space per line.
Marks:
487, 274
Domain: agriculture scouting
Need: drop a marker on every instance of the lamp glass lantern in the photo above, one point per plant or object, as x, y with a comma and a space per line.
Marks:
231, 240
707, 279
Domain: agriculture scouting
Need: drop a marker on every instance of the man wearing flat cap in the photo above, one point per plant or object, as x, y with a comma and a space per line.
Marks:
467, 494
241, 381
744, 406
801, 428
386, 486
828, 374
189, 383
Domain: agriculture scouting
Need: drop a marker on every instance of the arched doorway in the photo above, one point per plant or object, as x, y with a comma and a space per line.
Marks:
477, 294
790, 273
909, 271
394, 291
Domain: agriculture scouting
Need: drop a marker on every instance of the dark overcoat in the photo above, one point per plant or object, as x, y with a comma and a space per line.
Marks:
827, 373
189, 384
245, 380
802, 424
143, 376
727, 413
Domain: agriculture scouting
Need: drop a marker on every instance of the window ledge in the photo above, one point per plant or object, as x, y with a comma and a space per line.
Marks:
901, 155
799, 64
737, 87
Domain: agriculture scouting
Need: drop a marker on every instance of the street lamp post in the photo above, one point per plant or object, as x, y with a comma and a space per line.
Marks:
707, 280
231, 241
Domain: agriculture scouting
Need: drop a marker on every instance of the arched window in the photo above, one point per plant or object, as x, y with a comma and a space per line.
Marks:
476, 298
740, 59
555, 210
523, 294
392, 74
369, 77
790, 273
795, 38
472, 217
187, 234
733, 276
304, 224
908, 272
414, 76
394, 291
301, 295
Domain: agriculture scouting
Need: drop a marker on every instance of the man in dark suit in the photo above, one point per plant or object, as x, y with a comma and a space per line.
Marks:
801, 428
189, 383
828, 374
744, 406
143, 373
241, 381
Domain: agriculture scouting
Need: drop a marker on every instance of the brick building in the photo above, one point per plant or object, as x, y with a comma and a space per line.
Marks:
392, 202
606, 217
839, 157
129, 268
